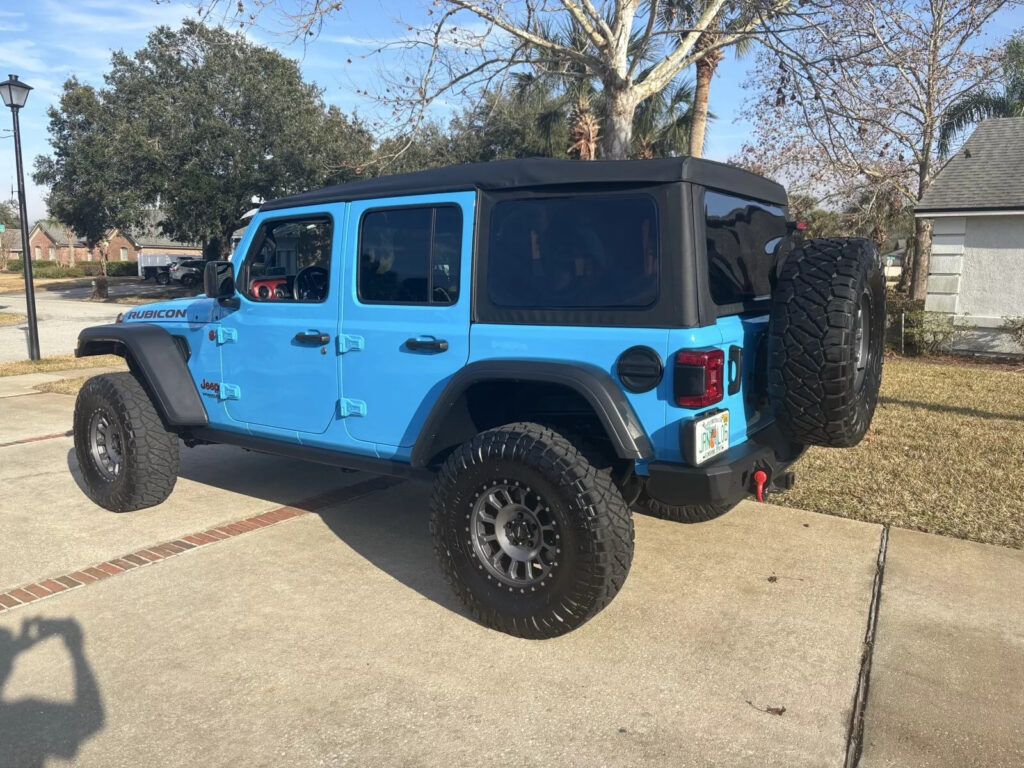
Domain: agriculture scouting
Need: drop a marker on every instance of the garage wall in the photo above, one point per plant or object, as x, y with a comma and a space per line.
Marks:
992, 284
976, 272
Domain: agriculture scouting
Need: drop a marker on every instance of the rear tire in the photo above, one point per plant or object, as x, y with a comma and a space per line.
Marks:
128, 459
162, 278
681, 513
826, 341
533, 539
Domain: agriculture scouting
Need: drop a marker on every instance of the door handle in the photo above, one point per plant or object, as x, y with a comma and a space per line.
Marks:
312, 337
736, 377
427, 345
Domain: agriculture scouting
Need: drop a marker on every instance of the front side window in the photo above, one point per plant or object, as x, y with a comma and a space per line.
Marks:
290, 260
410, 255
741, 239
574, 253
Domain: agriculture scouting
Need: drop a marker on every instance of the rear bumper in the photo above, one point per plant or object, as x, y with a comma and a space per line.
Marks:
727, 478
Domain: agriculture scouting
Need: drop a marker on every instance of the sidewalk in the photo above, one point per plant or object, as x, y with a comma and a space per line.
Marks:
331, 639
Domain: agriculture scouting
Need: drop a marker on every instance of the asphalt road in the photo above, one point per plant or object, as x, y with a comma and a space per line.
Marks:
61, 315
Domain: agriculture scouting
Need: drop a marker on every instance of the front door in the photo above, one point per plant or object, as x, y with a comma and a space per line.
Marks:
406, 311
278, 353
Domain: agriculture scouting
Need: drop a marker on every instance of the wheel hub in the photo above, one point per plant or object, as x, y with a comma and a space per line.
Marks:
106, 446
862, 340
514, 535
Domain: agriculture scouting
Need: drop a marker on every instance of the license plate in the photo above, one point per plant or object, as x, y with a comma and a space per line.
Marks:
711, 436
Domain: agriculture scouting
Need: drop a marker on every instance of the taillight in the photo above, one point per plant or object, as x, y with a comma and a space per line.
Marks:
698, 377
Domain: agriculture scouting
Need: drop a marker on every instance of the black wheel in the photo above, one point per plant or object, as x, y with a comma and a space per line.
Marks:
826, 341
187, 281
533, 539
128, 460
163, 278
681, 513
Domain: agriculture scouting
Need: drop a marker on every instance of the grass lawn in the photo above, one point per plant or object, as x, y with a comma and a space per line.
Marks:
59, 363
63, 386
945, 454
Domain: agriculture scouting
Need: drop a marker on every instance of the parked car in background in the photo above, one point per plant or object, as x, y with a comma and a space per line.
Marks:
157, 266
188, 272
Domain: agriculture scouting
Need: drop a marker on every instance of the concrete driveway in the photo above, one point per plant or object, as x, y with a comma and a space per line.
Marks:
318, 632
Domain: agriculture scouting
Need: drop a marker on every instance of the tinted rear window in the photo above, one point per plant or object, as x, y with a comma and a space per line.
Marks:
574, 253
741, 240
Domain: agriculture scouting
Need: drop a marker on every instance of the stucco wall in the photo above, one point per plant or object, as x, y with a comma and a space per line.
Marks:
976, 274
992, 284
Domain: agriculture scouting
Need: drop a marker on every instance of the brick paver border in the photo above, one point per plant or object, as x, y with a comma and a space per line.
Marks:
24, 440
30, 593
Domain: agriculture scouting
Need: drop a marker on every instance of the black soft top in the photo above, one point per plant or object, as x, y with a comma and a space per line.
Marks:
546, 173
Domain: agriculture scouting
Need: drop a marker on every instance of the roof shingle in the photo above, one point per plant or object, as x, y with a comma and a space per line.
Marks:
986, 174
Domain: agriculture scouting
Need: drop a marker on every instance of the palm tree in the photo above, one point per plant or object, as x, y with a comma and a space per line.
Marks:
584, 130
984, 104
663, 125
688, 11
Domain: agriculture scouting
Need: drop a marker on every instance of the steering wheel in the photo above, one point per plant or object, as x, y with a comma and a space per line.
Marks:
310, 284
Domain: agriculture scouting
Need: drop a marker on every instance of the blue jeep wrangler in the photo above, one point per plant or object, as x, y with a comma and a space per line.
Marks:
557, 342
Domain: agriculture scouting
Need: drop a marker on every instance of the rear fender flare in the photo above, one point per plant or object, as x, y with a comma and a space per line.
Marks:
597, 387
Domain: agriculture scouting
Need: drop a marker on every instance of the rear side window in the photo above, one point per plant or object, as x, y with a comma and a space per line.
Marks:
741, 240
574, 253
410, 255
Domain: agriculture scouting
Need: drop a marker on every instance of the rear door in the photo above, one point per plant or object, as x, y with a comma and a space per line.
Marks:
406, 312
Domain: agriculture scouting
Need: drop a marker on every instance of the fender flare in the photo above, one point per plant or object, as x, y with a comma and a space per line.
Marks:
596, 386
157, 360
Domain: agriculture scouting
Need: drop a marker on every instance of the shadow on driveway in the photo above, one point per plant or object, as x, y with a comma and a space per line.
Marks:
34, 729
388, 530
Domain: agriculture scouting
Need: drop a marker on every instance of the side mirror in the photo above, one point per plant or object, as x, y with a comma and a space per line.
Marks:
219, 280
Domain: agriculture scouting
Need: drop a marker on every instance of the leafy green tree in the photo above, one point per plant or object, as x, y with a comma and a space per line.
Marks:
984, 103
7, 216
820, 221
90, 187
213, 122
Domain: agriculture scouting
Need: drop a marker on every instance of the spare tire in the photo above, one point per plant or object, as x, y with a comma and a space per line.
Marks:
826, 341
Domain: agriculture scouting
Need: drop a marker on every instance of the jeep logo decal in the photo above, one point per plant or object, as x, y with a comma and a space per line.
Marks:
210, 386
156, 314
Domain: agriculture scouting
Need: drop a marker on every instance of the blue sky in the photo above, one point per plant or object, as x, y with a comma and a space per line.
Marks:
46, 41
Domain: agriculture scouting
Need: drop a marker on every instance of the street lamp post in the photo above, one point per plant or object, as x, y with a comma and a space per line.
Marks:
15, 94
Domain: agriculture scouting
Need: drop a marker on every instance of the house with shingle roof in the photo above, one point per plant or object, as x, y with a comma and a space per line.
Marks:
52, 241
976, 202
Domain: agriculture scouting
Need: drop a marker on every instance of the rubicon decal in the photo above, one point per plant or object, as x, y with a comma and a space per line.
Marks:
156, 314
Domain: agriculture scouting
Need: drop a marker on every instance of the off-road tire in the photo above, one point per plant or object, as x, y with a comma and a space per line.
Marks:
594, 526
680, 513
813, 341
148, 452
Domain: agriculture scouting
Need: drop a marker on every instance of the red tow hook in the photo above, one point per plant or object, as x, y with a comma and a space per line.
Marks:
760, 478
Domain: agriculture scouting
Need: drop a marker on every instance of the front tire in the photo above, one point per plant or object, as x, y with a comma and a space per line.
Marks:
128, 459
533, 539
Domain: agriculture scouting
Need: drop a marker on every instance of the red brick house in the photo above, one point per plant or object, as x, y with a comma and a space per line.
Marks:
49, 241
